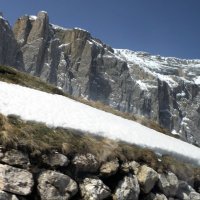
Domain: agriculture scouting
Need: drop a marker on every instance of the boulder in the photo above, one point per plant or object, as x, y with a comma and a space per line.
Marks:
85, 163
7, 196
15, 180
55, 160
16, 158
109, 168
160, 197
128, 188
131, 167
94, 189
194, 196
147, 178
54, 185
153, 196
168, 184
184, 190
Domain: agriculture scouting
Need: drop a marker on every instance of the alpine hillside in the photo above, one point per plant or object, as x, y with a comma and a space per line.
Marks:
165, 90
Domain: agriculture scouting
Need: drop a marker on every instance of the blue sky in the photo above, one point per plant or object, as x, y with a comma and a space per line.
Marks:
165, 27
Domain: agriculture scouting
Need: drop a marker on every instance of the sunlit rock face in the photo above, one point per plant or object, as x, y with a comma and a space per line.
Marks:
165, 90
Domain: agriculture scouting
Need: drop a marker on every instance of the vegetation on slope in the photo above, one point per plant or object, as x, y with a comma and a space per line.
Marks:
37, 138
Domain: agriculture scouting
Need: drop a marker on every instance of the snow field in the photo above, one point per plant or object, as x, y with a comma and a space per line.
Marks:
60, 111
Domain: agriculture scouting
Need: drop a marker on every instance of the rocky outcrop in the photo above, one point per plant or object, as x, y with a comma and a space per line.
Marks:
10, 53
131, 180
161, 89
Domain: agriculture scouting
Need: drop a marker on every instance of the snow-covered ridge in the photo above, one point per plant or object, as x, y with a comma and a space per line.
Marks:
55, 110
56, 27
130, 55
168, 69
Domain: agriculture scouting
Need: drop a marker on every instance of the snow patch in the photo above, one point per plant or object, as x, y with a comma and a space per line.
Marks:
142, 85
80, 29
197, 80
174, 132
35, 105
56, 27
32, 17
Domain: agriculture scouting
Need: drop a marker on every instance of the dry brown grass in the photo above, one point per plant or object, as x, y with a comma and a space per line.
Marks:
36, 137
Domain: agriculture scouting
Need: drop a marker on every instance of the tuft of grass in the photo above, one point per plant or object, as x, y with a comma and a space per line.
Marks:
37, 137
11, 75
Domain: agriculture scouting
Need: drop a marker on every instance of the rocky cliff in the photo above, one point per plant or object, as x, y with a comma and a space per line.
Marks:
165, 90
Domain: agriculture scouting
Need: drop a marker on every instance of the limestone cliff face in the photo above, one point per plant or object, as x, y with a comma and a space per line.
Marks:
165, 90
10, 53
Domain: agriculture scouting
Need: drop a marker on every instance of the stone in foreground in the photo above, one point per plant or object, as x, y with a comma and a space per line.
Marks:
147, 178
94, 189
85, 163
55, 160
109, 168
15, 180
168, 184
7, 196
128, 188
16, 158
54, 185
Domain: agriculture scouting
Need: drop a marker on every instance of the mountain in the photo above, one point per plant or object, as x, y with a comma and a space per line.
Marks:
75, 151
165, 90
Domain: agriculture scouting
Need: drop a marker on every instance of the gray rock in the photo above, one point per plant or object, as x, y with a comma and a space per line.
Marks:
109, 168
160, 197
147, 178
168, 184
10, 53
16, 158
152, 196
128, 189
194, 196
55, 160
184, 190
54, 185
85, 163
7, 196
132, 167
15, 180
94, 189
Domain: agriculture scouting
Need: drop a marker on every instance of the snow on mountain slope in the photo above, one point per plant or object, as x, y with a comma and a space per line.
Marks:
60, 111
164, 68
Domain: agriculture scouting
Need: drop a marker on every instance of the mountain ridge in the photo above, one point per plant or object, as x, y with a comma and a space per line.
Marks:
81, 65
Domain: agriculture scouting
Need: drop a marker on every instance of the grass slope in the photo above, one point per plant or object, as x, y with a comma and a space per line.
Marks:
37, 138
